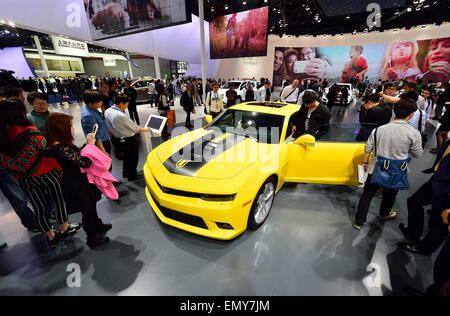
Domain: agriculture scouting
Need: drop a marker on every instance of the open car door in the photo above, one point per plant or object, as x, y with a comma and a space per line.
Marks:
333, 159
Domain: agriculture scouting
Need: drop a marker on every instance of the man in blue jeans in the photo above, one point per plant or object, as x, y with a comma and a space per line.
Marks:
18, 200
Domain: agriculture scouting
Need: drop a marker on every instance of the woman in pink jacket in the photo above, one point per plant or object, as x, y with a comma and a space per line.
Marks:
79, 194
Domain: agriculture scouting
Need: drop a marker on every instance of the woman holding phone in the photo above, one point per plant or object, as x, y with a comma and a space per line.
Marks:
79, 194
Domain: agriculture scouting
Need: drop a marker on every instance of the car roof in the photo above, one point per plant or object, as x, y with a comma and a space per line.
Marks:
276, 108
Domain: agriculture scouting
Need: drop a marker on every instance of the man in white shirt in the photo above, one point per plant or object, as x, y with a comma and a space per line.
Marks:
214, 102
124, 130
291, 93
263, 94
425, 103
420, 117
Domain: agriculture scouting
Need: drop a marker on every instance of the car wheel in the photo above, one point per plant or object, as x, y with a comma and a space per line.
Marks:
262, 205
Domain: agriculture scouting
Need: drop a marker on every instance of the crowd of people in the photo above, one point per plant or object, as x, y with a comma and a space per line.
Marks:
39, 162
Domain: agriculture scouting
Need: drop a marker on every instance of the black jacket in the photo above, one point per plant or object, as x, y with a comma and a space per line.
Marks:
441, 178
187, 102
250, 95
318, 122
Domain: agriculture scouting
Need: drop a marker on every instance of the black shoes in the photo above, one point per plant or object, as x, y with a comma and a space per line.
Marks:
406, 234
71, 231
411, 291
103, 229
55, 241
408, 247
34, 229
97, 241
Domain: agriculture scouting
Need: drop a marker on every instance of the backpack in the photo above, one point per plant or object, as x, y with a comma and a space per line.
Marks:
25, 155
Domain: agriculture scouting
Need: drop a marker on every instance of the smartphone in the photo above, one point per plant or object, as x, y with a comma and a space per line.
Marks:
95, 129
300, 66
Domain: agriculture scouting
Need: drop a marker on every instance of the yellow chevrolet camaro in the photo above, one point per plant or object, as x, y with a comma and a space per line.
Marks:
218, 180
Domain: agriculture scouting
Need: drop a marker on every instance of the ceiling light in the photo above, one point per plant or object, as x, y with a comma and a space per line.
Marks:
244, 2
226, 6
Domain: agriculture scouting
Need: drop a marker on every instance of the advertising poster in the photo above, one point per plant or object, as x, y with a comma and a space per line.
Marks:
242, 34
112, 18
413, 60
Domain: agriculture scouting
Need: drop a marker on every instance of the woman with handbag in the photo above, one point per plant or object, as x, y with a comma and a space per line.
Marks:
39, 175
393, 145
79, 194
187, 102
163, 104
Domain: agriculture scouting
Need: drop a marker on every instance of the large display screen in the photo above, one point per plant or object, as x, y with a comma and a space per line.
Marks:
345, 7
242, 34
413, 60
112, 18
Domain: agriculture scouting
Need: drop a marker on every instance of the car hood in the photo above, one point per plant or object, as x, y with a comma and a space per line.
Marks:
210, 155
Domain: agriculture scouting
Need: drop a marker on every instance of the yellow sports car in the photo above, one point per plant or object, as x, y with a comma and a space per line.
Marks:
218, 180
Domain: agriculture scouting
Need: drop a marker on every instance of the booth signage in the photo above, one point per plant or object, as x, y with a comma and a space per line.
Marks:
109, 61
65, 46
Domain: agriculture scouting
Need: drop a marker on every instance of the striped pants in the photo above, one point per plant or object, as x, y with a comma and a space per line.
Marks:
45, 193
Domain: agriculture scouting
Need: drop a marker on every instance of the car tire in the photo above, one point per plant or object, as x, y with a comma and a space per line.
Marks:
262, 205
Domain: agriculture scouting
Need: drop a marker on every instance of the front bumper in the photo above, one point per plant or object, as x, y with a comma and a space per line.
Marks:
195, 215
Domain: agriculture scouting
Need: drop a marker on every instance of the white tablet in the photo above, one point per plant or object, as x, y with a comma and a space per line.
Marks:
156, 123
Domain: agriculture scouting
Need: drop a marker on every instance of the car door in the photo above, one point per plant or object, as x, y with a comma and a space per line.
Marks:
333, 159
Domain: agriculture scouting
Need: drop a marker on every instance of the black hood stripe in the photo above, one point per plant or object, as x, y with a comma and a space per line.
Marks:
198, 153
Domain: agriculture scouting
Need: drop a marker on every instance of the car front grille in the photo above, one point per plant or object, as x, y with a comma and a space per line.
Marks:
206, 197
181, 217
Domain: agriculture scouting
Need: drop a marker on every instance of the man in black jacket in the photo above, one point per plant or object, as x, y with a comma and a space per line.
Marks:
313, 117
436, 192
371, 116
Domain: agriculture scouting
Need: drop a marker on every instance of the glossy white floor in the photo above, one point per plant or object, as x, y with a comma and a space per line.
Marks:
307, 247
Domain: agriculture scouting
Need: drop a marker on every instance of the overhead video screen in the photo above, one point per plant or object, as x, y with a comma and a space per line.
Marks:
345, 7
242, 34
113, 18
412, 60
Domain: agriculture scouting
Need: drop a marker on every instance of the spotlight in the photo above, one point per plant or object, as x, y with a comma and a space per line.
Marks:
226, 6
244, 2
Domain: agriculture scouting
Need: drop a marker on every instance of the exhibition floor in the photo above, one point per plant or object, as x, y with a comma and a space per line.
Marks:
306, 247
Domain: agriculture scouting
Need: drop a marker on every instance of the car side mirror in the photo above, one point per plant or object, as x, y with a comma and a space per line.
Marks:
306, 140
209, 119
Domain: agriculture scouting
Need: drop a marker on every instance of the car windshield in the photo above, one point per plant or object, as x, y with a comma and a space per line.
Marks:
264, 128
344, 132
236, 85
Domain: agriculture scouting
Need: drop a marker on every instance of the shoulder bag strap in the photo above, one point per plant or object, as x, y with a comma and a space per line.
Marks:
447, 152
375, 144
420, 121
